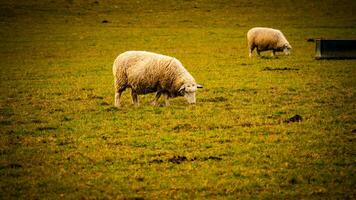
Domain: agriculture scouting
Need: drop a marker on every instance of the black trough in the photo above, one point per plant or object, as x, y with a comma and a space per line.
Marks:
335, 49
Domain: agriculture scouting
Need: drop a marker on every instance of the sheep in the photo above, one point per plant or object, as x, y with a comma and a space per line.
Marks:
264, 39
147, 72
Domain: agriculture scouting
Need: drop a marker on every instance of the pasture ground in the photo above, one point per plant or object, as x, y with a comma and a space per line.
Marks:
61, 137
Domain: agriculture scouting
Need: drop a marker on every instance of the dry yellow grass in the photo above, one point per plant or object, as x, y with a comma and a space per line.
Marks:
61, 137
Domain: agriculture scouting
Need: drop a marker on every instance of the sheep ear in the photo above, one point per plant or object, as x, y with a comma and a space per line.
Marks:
181, 89
199, 86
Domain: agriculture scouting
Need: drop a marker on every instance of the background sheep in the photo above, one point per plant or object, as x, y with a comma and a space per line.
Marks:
147, 72
264, 39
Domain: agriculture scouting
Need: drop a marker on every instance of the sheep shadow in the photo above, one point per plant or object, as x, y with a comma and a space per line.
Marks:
265, 57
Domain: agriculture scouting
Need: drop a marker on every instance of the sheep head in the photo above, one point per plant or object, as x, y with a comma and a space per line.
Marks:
286, 49
188, 91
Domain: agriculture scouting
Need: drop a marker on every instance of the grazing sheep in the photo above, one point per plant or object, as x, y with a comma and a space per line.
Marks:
264, 39
147, 72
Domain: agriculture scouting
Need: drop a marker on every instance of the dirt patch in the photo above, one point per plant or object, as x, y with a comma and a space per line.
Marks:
57, 93
104, 103
96, 97
46, 128
293, 181
75, 99
140, 179
12, 166
135, 198
295, 118
66, 119
5, 122
58, 110
223, 141
186, 21
87, 89
37, 121
183, 127
215, 99
6, 111
246, 124
244, 64
111, 109
177, 159
280, 69
212, 158
214, 127
157, 161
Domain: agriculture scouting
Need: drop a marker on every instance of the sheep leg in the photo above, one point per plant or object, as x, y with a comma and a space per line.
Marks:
258, 52
166, 100
134, 98
251, 48
118, 96
155, 100
273, 53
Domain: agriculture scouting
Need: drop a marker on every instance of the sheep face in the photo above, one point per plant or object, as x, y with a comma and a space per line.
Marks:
190, 97
188, 91
286, 49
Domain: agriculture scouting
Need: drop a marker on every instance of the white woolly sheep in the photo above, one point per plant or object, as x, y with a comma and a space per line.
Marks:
264, 39
147, 72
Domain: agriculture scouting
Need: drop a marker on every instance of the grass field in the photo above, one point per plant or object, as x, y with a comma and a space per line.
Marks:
62, 137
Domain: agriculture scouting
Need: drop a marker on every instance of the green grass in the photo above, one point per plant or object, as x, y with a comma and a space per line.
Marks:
61, 136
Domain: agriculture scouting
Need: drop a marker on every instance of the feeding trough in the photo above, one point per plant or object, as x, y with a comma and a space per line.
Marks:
335, 49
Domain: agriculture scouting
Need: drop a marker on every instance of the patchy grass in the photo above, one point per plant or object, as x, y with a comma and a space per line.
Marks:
61, 137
